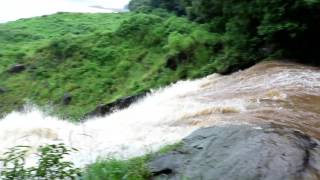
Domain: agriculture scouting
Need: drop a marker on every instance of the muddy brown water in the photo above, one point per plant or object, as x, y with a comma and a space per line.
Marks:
281, 93
274, 136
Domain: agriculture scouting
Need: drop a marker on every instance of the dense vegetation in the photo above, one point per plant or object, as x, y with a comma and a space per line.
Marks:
92, 59
138, 52
21, 43
252, 29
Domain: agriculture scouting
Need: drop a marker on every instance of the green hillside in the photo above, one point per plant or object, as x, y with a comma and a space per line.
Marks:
21, 42
21, 38
95, 59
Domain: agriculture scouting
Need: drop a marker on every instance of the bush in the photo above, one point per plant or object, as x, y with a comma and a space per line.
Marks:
51, 164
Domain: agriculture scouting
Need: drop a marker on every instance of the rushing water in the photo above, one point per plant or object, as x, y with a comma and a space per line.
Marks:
280, 93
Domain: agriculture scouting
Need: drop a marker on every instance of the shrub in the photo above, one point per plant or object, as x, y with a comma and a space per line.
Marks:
51, 164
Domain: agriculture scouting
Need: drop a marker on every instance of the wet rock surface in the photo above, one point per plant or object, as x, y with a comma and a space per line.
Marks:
3, 90
241, 152
104, 109
17, 68
66, 99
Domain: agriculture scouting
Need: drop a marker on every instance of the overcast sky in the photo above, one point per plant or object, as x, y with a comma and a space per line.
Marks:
15, 9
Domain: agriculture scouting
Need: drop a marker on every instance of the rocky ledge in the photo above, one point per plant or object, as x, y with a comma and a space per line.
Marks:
241, 152
105, 109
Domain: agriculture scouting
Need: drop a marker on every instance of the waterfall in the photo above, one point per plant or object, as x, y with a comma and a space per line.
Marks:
273, 92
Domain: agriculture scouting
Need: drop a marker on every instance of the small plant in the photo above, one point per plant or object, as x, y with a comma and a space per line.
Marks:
114, 169
13, 164
50, 164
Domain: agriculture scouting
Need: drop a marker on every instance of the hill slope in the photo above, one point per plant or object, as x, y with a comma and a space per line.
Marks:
73, 62
97, 58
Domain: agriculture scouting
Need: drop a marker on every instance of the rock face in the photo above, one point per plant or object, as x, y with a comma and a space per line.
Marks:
67, 98
104, 109
241, 152
2, 90
17, 68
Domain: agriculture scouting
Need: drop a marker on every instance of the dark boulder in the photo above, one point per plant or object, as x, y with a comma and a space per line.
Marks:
241, 152
172, 64
236, 67
2, 90
67, 98
104, 109
17, 68
267, 49
174, 61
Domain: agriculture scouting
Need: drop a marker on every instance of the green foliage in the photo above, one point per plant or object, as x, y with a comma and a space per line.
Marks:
51, 164
25, 36
113, 169
131, 169
255, 29
13, 164
101, 66
140, 5
168, 148
148, 5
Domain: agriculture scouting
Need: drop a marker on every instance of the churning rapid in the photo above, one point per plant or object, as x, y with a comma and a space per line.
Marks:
278, 93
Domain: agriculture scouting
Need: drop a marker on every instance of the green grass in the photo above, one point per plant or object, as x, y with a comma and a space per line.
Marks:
132, 169
21, 38
112, 169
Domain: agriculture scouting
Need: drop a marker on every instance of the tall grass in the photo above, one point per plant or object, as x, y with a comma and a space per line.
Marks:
131, 169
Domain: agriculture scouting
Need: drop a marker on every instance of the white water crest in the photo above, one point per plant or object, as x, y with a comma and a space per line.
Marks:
154, 121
